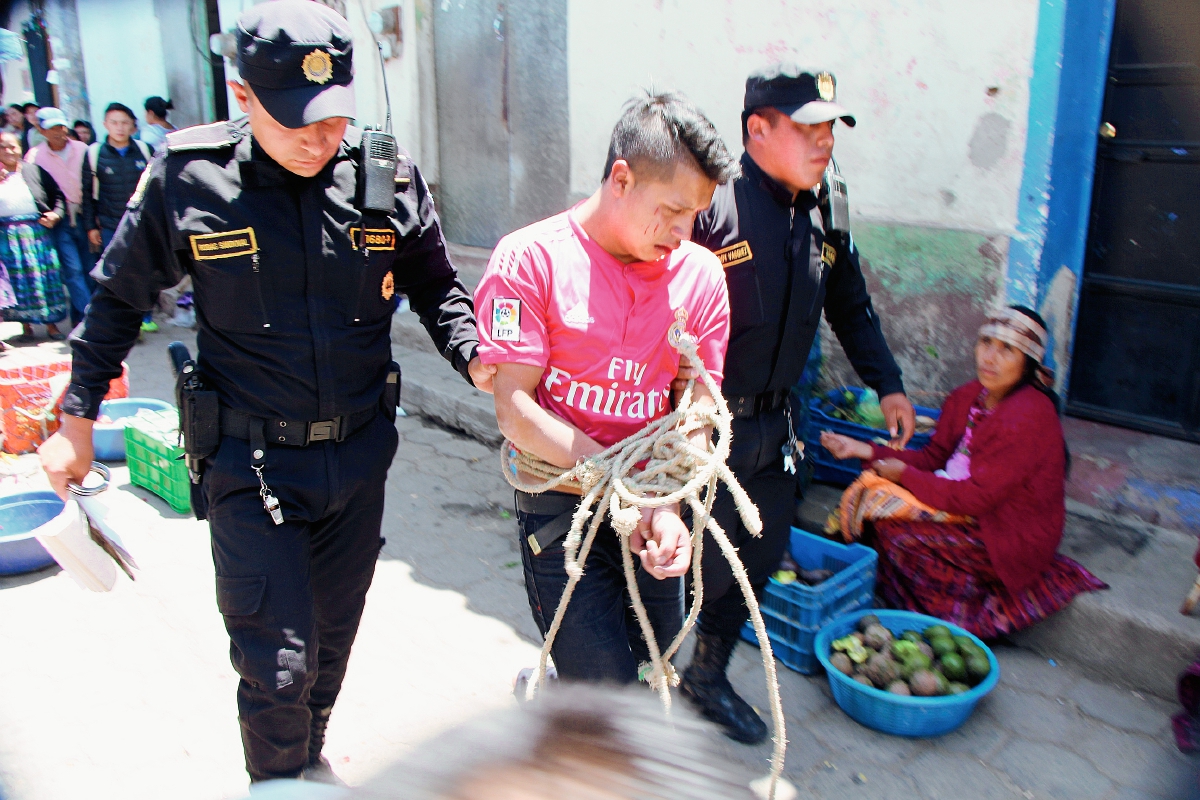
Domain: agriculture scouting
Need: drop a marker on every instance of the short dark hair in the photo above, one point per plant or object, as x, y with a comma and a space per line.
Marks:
28, 106
656, 131
17, 106
158, 105
770, 113
124, 109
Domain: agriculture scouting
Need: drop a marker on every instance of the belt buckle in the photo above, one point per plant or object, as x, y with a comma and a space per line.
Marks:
324, 430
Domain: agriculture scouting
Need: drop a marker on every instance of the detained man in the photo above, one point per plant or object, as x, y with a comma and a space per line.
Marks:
576, 312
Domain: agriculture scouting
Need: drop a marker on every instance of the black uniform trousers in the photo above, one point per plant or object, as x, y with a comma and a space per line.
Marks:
292, 595
756, 459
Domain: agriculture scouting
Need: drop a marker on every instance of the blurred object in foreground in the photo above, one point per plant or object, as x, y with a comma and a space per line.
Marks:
579, 742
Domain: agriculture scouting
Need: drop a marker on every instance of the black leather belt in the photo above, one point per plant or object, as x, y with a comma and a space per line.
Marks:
751, 405
294, 433
560, 504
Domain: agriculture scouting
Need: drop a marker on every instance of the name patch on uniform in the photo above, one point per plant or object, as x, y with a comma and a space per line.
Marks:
828, 253
206, 246
735, 254
377, 238
506, 319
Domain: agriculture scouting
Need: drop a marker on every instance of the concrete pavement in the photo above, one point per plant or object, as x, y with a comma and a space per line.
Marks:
126, 694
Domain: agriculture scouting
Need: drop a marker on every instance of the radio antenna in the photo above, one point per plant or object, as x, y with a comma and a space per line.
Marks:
387, 96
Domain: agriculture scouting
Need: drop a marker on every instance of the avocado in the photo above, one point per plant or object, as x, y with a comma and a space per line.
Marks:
915, 662
842, 663
864, 680
923, 683
954, 667
942, 645
934, 631
912, 636
867, 621
958, 688
978, 666
877, 637
964, 643
881, 669
899, 687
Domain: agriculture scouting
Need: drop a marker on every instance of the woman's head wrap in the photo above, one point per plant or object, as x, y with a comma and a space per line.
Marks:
1023, 332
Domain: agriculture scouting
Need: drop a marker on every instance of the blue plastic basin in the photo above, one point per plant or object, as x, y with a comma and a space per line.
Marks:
892, 713
108, 438
20, 514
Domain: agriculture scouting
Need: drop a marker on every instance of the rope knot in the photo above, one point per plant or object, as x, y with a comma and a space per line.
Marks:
625, 520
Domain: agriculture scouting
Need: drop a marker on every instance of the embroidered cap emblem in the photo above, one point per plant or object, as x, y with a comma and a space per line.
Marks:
389, 286
826, 87
318, 67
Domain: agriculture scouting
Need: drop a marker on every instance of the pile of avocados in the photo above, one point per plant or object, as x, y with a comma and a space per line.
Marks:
928, 663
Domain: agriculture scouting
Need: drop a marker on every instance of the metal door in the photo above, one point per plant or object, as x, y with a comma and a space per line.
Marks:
1137, 345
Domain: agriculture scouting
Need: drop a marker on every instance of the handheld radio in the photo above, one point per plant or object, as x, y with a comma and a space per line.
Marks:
378, 159
837, 205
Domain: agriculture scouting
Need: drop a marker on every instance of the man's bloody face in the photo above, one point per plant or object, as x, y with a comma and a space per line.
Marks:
656, 211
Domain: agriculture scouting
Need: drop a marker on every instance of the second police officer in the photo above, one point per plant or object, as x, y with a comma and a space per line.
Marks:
294, 338
782, 270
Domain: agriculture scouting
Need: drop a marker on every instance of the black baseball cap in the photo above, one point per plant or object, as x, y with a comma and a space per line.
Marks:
297, 56
807, 97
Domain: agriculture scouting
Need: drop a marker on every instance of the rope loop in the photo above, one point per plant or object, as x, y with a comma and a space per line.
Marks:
672, 470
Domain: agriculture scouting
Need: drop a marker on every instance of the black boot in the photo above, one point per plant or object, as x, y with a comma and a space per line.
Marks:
318, 768
705, 684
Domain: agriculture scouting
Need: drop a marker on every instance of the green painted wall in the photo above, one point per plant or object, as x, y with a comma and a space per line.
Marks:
931, 288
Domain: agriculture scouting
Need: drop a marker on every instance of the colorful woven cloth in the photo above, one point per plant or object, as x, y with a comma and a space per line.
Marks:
872, 498
943, 570
28, 254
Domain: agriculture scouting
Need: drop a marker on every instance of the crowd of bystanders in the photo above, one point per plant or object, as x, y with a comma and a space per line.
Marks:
63, 191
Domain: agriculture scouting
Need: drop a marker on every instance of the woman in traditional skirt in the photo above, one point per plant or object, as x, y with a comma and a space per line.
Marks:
30, 204
967, 528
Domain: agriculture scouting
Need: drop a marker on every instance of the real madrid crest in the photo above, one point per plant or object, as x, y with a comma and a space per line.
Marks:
318, 66
388, 290
678, 328
826, 87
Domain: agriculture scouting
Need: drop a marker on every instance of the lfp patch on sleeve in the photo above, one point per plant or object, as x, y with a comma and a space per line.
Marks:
506, 319
735, 254
206, 246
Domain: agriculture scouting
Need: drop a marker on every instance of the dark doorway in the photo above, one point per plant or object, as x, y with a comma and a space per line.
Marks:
1137, 344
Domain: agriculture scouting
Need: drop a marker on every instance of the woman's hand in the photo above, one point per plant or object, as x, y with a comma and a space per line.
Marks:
889, 468
49, 219
843, 447
662, 542
94, 238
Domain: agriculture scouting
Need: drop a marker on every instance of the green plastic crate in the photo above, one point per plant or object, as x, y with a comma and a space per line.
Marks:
153, 455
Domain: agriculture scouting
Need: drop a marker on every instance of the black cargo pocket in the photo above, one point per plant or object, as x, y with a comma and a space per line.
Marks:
240, 597
745, 304
234, 294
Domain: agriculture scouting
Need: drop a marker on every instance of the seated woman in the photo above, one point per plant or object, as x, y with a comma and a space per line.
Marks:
967, 528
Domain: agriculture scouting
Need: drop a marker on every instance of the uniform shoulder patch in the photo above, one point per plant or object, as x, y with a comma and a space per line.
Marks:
734, 254
202, 137
828, 253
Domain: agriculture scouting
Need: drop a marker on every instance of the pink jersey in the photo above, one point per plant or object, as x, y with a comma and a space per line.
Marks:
553, 298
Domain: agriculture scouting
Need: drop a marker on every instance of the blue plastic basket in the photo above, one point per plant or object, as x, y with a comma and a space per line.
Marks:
108, 438
794, 612
827, 468
21, 513
893, 713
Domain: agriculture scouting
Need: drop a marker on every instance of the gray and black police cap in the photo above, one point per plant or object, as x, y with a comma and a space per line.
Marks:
807, 97
297, 56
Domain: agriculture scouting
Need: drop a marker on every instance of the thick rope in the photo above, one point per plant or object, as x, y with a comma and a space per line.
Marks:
676, 471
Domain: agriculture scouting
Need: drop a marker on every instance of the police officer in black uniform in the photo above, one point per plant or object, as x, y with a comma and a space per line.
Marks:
782, 269
294, 339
